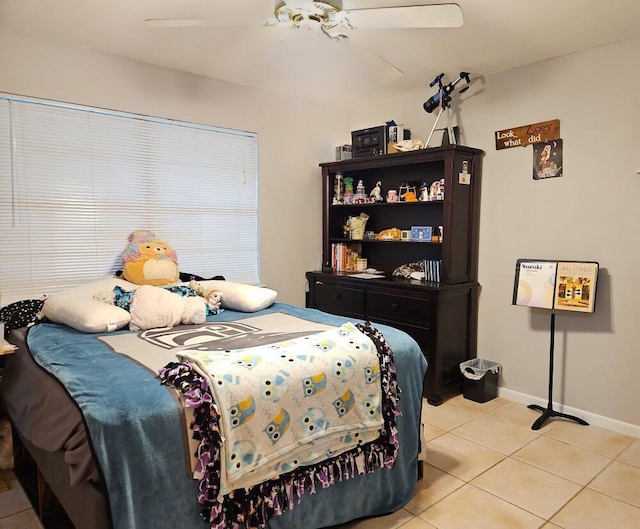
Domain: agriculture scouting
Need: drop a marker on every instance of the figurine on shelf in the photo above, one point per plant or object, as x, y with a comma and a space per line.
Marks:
436, 192
361, 194
392, 195
424, 193
348, 190
337, 190
407, 191
376, 192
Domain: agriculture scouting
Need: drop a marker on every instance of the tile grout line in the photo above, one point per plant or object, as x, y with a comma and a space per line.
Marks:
604, 493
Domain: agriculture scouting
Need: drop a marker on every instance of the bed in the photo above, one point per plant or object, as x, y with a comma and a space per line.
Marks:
112, 442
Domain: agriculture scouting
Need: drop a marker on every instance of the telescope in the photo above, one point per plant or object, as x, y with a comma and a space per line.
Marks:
443, 96
442, 99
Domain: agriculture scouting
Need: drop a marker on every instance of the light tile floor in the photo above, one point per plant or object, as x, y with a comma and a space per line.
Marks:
486, 468
15, 509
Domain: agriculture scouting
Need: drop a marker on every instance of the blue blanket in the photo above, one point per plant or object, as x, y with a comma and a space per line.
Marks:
149, 482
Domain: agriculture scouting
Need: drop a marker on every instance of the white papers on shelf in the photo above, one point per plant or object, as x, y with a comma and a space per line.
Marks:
367, 275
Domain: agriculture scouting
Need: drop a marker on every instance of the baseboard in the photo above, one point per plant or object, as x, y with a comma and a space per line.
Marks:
614, 425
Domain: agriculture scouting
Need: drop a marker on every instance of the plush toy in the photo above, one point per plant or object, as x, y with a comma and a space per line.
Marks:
153, 307
409, 196
392, 234
147, 260
195, 311
212, 297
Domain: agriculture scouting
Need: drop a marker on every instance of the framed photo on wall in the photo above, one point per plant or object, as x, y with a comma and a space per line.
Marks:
547, 159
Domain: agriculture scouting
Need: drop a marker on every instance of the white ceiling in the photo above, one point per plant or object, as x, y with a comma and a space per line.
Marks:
497, 35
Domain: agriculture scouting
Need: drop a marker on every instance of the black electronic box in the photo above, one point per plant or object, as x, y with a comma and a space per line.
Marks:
366, 142
375, 140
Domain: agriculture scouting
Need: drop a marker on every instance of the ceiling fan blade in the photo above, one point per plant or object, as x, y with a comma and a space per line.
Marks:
208, 22
405, 17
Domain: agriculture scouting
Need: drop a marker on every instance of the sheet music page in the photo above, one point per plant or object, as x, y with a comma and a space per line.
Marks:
535, 284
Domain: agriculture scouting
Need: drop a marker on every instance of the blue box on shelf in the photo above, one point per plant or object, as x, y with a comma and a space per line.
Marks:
421, 233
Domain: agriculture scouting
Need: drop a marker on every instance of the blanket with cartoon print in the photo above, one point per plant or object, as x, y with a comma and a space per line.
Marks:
292, 403
275, 422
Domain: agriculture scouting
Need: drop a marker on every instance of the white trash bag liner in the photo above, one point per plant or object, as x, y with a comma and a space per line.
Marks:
476, 368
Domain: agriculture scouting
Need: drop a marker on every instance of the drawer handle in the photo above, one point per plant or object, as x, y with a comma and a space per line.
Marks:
394, 307
338, 297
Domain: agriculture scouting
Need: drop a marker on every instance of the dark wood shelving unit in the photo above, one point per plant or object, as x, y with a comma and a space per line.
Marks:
441, 317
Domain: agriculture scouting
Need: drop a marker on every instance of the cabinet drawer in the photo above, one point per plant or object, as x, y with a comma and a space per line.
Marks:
338, 299
398, 308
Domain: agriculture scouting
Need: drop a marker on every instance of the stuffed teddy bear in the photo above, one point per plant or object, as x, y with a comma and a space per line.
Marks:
147, 260
153, 307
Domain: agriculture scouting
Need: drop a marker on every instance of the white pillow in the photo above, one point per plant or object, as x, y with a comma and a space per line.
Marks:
241, 297
77, 308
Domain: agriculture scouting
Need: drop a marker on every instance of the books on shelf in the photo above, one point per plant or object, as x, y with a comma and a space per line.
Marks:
344, 256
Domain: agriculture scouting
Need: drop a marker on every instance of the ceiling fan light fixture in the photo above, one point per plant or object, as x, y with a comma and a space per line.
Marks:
293, 12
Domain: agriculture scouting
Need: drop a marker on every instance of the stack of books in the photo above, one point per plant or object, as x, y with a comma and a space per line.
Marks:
344, 256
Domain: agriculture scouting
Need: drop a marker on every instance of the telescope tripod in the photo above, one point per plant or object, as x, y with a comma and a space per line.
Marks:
449, 128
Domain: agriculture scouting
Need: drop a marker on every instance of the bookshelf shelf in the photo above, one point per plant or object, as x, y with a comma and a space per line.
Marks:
376, 241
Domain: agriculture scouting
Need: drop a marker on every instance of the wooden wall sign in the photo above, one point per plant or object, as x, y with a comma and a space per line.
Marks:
528, 134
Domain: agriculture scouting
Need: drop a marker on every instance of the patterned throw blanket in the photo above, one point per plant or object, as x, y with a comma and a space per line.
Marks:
277, 420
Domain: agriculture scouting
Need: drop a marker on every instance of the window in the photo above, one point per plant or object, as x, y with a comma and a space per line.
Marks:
76, 181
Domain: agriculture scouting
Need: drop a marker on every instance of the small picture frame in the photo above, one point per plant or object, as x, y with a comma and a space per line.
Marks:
406, 235
421, 233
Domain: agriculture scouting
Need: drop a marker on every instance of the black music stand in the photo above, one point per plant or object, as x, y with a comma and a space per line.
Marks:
567, 285
549, 412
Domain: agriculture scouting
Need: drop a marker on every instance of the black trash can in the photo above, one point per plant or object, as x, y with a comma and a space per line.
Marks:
480, 382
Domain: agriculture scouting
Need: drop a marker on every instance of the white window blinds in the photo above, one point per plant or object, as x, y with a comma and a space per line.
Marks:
76, 181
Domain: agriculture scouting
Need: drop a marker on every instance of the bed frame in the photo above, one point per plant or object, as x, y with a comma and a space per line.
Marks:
45, 479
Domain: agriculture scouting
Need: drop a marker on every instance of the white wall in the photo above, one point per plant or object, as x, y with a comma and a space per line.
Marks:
591, 213
293, 137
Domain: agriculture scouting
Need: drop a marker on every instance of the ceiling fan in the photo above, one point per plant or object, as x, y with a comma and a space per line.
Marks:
331, 19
